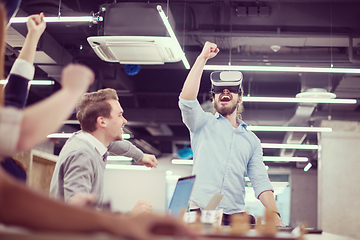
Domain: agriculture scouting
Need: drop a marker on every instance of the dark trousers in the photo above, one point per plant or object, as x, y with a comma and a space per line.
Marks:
226, 217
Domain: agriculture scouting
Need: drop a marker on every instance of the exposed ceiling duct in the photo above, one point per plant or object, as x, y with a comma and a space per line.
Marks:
50, 55
313, 85
301, 118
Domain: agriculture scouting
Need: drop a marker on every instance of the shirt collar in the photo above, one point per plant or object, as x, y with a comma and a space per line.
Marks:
241, 123
93, 141
238, 121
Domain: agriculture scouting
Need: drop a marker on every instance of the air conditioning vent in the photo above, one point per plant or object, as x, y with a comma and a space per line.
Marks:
136, 49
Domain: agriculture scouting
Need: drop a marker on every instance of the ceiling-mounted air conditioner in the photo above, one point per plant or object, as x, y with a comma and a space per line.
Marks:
136, 49
133, 33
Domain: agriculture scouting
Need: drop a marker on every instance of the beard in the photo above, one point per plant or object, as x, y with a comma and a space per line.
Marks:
224, 111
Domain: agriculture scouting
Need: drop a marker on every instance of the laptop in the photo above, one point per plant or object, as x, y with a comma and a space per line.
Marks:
180, 198
214, 201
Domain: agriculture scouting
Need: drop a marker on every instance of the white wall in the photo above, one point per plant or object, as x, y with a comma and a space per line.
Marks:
125, 187
339, 178
303, 197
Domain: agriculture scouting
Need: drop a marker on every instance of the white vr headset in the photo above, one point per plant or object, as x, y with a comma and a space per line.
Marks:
230, 80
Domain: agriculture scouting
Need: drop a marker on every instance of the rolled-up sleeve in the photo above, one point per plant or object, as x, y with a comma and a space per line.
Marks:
193, 115
23, 68
16, 89
10, 126
257, 172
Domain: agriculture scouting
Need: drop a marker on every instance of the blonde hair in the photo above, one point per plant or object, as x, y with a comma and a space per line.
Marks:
239, 110
92, 105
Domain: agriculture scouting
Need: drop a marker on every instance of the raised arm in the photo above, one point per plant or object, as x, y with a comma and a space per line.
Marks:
22, 71
36, 27
192, 83
46, 117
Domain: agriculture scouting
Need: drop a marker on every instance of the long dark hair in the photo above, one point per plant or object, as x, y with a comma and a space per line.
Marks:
2, 48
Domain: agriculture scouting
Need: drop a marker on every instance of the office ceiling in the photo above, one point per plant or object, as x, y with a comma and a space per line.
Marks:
259, 33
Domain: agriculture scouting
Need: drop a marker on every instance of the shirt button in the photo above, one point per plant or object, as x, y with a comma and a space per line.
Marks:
226, 175
229, 160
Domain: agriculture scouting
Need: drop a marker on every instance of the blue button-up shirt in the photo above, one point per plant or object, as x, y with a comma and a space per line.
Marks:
223, 156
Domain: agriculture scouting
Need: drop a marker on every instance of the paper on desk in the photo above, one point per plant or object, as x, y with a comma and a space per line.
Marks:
213, 217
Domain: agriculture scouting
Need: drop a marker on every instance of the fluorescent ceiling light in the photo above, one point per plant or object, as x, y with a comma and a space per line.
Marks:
119, 158
42, 82
68, 135
265, 158
172, 35
288, 129
60, 135
60, 19
127, 167
34, 82
307, 167
297, 100
182, 162
289, 146
280, 69
285, 159
126, 136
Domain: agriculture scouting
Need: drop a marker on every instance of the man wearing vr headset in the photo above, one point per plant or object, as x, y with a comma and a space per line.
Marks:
224, 150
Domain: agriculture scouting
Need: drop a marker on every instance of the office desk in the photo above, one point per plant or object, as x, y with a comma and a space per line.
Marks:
55, 236
101, 236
